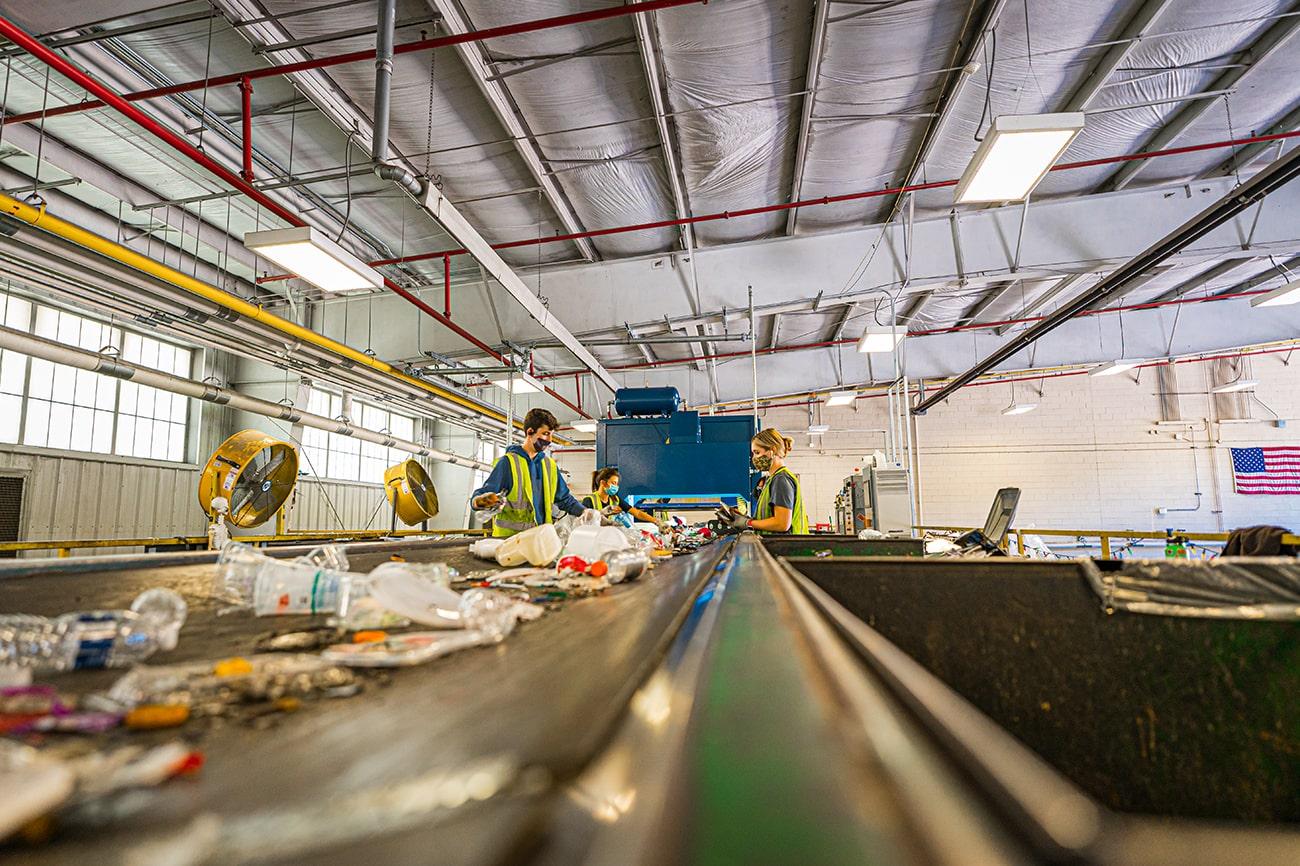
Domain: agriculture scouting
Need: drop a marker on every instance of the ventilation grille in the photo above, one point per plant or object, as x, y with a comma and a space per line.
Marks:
11, 511
1167, 390
1234, 405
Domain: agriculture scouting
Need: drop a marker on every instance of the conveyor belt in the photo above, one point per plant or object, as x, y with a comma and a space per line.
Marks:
539, 705
725, 709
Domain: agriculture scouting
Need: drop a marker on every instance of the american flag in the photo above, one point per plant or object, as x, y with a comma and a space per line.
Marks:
1266, 471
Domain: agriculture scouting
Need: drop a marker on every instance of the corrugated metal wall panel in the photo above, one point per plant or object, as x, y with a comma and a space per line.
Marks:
91, 497
72, 497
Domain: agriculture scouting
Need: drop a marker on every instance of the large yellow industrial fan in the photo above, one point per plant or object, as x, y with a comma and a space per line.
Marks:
411, 493
247, 479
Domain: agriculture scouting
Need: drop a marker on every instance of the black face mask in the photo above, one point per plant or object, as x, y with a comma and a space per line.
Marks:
541, 444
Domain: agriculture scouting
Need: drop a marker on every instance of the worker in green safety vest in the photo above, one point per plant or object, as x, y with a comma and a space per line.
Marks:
526, 483
780, 502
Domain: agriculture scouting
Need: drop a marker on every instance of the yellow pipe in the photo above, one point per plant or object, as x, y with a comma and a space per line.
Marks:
39, 218
65, 546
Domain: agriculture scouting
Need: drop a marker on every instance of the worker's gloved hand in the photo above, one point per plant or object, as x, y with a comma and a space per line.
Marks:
487, 500
732, 518
589, 517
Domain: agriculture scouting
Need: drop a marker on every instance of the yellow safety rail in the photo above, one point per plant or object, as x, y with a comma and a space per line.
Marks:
65, 547
1105, 535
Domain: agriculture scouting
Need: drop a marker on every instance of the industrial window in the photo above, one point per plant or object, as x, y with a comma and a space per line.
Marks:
346, 458
57, 406
13, 370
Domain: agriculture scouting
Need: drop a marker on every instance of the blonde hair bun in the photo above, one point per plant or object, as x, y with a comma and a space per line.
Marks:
772, 440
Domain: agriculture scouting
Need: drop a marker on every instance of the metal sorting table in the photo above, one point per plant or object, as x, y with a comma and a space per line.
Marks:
724, 709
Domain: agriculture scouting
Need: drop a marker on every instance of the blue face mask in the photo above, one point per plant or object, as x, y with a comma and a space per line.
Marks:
612, 490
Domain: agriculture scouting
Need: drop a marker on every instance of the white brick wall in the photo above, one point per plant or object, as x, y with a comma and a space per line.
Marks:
1086, 458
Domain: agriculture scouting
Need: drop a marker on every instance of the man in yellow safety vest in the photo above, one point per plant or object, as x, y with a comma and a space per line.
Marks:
527, 480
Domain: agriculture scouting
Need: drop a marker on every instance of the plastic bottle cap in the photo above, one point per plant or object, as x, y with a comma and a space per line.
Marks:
232, 667
599, 568
151, 716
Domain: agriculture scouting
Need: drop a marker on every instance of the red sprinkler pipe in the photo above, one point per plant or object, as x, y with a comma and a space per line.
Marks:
1024, 377
827, 344
56, 62
815, 202
23, 40
353, 57
446, 286
246, 105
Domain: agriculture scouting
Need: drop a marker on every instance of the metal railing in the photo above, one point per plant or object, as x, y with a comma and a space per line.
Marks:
1104, 535
66, 546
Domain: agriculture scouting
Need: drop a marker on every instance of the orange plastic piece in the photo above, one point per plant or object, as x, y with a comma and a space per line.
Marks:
371, 636
150, 716
599, 568
232, 667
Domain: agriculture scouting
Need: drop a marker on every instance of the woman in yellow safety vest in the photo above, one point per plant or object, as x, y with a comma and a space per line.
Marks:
780, 502
605, 499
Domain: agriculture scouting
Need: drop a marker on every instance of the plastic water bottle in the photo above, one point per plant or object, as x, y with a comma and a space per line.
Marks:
317, 583
625, 564
93, 639
490, 613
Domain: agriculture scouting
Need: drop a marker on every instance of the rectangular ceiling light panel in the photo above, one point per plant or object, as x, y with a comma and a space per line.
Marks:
1114, 368
841, 398
311, 255
520, 383
883, 338
585, 426
1019, 408
1239, 385
1288, 294
1015, 155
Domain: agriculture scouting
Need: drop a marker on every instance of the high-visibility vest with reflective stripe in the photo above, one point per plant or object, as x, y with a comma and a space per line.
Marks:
764, 510
596, 501
518, 513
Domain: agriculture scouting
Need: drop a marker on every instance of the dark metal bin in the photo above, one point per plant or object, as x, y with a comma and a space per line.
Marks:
1160, 715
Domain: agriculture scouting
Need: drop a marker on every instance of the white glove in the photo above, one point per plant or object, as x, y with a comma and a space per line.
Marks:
589, 517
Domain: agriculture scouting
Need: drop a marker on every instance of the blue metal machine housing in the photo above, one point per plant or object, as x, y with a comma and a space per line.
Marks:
678, 459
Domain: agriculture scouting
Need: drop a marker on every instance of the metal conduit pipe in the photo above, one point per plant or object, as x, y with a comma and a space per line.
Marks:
14, 208
121, 298
1276, 175
110, 303
231, 304
383, 92
812, 202
48, 350
351, 57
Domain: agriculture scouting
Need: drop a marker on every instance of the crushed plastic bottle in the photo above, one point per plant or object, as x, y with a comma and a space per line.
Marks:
492, 614
318, 583
625, 564
93, 639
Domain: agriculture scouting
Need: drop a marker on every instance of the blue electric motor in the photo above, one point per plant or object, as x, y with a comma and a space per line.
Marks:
640, 402
667, 455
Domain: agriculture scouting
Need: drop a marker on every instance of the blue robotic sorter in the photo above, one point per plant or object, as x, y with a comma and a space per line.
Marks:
669, 457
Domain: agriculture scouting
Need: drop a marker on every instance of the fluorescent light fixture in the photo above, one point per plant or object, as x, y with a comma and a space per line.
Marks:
1015, 155
520, 383
1019, 408
818, 429
1288, 294
585, 426
315, 258
841, 398
881, 338
1239, 385
1116, 367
